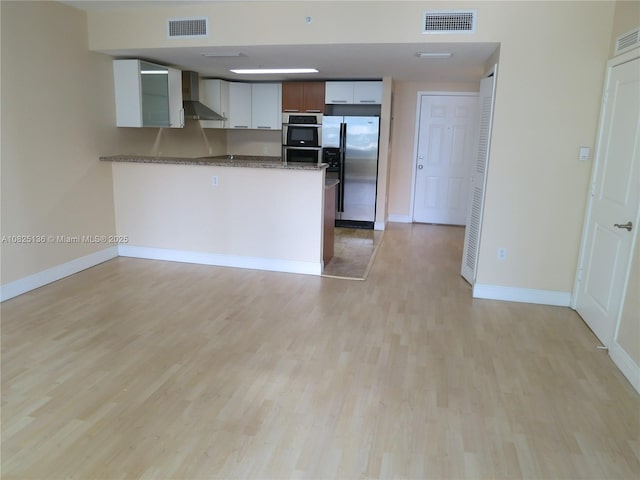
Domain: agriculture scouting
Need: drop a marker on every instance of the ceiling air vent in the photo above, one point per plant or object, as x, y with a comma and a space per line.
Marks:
627, 41
451, 21
187, 27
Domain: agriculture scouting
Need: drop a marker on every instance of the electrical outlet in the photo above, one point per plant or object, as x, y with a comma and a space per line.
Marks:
502, 254
584, 154
214, 180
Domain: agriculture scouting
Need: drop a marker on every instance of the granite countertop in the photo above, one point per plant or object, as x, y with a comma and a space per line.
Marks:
246, 161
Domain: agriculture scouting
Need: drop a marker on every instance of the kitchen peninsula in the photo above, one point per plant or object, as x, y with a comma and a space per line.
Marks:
236, 211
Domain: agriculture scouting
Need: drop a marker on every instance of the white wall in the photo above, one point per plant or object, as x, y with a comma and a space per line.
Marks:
57, 117
547, 103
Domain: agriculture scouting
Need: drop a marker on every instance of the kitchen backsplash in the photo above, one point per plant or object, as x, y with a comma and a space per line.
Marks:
254, 142
194, 141
190, 141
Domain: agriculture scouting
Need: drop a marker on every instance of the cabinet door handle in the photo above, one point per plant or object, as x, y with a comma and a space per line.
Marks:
338, 101
264, 128
290, 110
367, 101
241, 126
313, 111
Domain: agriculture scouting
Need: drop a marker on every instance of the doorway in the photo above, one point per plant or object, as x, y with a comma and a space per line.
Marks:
446, 130
613, 211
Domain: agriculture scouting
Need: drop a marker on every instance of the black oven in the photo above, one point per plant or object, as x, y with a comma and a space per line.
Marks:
302, 136
302, 131
302, 154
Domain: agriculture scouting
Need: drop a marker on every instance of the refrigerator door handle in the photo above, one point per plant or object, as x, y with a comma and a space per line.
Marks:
341, 185
343, 140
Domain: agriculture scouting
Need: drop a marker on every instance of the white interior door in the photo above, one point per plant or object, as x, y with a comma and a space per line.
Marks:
612, 216
478, 180
446, 134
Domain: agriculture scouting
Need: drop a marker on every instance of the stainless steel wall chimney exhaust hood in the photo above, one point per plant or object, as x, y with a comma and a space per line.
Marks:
191, 99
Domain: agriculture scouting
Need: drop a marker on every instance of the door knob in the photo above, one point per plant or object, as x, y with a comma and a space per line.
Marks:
420, 167
628, 226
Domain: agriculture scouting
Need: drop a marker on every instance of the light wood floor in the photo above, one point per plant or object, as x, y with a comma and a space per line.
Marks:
147, 369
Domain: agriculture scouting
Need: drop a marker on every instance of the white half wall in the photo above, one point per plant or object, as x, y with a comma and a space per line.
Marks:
224, 212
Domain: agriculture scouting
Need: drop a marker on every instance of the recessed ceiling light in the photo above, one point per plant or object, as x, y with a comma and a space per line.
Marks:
434, 54
258, 71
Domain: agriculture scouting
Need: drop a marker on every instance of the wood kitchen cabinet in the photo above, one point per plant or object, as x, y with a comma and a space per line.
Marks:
303, 97
329, 222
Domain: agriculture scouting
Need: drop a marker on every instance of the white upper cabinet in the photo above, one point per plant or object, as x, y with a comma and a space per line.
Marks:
338, 92
353, 92
215, 95
147, 95
239, 105
245, 105
367, 92
266, 102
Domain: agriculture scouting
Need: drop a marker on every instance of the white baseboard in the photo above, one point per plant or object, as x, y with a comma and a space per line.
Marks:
379, 225
625, 363
400, 218
37, 280
220, 260
524, 295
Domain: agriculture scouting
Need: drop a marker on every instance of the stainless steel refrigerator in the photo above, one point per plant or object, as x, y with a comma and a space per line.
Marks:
356, 139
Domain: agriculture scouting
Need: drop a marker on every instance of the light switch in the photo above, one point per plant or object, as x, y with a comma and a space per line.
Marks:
584, 154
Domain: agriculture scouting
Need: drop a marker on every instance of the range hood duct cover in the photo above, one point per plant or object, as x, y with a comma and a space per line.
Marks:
191, 99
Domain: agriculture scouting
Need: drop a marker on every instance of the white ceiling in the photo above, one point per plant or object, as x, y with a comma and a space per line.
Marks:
354, 61
345, 61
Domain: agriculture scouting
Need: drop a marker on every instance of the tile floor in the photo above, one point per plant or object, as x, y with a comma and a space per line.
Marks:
354, 251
